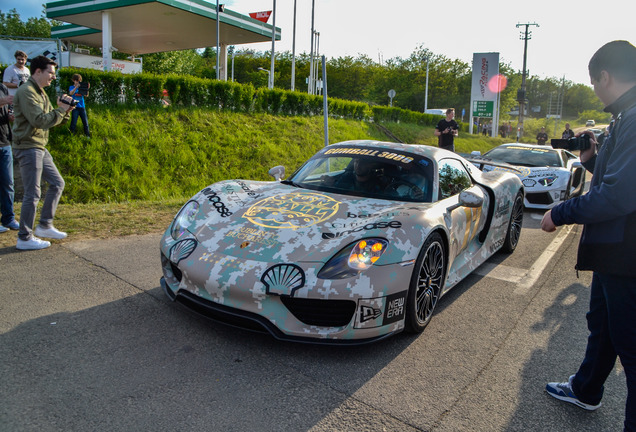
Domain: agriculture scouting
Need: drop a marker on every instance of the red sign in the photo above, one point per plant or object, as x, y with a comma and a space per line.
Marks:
261, 16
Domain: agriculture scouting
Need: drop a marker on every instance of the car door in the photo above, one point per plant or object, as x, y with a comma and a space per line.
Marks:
463, 223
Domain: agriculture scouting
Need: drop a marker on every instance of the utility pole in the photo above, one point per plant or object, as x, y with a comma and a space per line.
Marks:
521, 94
311, 53
293, 71
270, 83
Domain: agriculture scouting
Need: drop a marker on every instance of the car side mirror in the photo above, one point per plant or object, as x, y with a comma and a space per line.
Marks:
278, 172
471, 198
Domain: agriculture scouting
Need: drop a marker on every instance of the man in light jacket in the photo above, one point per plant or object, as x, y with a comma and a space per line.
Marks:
34, 116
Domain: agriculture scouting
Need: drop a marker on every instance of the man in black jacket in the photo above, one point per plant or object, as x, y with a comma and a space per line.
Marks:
7, 218
608, 241
447, 129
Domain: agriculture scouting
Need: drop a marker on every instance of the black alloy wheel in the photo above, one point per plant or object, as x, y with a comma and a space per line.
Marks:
514, 226
426, 284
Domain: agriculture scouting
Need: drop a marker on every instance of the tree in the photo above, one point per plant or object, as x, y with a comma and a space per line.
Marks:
12, 25
184, 62
359, 79
579, 98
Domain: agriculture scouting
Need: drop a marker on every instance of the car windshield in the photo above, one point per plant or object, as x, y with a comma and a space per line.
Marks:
368, 172
525, 156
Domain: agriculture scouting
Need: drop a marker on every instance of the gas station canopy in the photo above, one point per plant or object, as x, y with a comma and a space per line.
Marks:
148, 26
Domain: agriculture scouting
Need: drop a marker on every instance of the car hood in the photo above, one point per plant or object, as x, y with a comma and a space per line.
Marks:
270, 221
533, 173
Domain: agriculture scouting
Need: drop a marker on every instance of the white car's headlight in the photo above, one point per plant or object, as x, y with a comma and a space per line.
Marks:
184, 219
354, 258
547, 181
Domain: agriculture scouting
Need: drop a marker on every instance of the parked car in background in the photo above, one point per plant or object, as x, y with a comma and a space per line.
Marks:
590, 123
549, 175
359, 243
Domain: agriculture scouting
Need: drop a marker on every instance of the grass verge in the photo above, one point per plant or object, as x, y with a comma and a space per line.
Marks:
100, 221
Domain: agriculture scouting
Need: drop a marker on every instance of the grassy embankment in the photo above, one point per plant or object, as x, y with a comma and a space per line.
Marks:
142, 164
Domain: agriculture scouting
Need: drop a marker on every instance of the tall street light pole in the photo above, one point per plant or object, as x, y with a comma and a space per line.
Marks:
271, 75
311, 53
293, 71
218, 8
426, 92
521, 94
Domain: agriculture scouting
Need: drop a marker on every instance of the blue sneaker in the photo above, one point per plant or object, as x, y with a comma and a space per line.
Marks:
563, 391
14, 225
3, 229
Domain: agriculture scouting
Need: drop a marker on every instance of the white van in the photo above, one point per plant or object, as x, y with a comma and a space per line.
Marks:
438, 111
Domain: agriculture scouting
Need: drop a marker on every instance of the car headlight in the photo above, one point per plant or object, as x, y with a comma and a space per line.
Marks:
547, 181
353, 259
184, 219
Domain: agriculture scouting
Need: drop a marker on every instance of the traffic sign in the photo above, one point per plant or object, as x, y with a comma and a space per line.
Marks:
483, 108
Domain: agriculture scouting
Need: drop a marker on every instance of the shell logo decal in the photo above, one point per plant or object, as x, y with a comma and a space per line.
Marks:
292, 210
283, 279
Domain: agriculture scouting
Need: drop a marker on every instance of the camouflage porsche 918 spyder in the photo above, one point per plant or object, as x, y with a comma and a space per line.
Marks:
359, 243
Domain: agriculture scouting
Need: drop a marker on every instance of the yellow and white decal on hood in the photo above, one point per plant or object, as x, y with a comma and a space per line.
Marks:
292, 210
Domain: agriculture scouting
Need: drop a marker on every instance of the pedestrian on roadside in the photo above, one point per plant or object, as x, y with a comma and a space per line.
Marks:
80, 107
542, 137
34, 116
567, 133
16, 74
446, 131
7, 192
608, 242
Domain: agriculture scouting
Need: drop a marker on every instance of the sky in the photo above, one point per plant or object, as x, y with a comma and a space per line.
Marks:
568, 32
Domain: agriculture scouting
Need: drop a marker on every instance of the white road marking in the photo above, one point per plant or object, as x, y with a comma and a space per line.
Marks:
541, 262
525, 279
502, 272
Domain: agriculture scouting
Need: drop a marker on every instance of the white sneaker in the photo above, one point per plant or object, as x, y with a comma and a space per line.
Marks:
3, 229
51, 233
33, 243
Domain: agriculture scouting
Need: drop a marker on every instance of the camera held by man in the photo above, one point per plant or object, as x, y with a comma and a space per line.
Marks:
581, 142
68, 100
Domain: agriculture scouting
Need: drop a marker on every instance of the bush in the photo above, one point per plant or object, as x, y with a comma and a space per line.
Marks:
597, 116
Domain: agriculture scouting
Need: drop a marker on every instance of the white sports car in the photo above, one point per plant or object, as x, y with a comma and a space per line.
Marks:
549, 175
358, 244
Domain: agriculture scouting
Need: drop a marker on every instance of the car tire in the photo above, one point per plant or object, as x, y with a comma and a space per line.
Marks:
514, 225
427, 283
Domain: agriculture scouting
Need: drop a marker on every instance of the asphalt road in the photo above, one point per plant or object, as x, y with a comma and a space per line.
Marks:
89, 342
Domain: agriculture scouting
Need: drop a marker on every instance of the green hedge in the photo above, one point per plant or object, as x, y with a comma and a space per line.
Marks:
182, 91
399, 115
110, 88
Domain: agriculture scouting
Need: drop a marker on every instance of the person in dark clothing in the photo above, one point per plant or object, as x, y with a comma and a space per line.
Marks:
80, 108
447, 129
6, 163
608, 242
567, 133
542, 137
